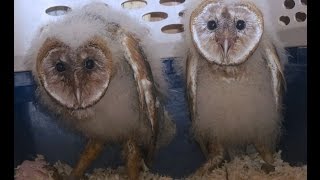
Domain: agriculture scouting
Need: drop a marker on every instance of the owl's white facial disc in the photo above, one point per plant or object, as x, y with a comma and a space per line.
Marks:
226, 34
75, 78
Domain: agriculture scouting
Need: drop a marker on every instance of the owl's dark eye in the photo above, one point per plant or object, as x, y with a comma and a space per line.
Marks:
89, 64
212, 25
240, 24
60, 67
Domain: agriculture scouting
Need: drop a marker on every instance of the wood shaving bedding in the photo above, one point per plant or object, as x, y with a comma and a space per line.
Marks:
240, 168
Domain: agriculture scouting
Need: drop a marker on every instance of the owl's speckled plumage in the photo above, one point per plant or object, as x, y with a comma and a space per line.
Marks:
234, 76
92, 69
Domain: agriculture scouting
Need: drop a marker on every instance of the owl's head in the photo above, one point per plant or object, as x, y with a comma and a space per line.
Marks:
226, 32
75, 77
73, 59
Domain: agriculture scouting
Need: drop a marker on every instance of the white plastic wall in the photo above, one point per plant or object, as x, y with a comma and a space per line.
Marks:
30, 14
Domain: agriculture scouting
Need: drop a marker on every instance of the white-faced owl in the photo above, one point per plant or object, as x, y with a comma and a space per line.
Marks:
234, 76
92, 69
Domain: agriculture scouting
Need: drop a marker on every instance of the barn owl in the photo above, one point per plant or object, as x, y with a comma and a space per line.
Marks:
234, 75
92, 68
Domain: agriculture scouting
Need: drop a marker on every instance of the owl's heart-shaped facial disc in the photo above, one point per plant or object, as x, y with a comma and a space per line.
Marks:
226, 33
76, 78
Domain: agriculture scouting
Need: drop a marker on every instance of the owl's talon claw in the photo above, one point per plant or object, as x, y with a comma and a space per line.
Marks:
267, 168
205, 169
144, 166
201, 172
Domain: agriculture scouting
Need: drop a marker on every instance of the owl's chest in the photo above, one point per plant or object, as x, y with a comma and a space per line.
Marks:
240, 88
120, 103
236, 108
117, 113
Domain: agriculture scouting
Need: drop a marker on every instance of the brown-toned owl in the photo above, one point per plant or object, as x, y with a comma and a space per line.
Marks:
92, 69
234, 77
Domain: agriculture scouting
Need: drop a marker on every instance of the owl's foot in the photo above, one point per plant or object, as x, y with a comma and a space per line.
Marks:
203, 170
144, 166
267, 156
90, 153
207, 168
215, 158
134, 161
267, 168
150, 154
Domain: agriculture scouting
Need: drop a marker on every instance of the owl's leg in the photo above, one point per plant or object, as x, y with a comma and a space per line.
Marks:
215, 156
144, 166
203, 148
90, 153
267, 156
150, 154
133, 160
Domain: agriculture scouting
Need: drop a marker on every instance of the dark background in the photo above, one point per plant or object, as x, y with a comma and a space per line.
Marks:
35, 131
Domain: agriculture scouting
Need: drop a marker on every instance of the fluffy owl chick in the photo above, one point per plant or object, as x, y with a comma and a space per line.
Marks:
92, 71
234, 77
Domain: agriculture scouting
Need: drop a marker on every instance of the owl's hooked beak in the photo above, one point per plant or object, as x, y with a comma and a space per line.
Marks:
226, 41
226, 46
78, 95
77, 91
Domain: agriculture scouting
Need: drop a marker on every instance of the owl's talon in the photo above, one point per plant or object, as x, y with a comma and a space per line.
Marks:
206, 168
267, 168
201, 172
144, 166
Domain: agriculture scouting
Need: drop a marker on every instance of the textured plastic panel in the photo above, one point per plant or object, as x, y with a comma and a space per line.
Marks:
162, 16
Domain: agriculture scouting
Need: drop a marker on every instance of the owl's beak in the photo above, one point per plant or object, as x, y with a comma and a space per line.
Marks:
78, 95
77, 92
225, 47
226, 40
225, 44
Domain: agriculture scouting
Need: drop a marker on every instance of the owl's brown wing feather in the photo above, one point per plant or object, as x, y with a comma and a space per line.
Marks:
192, 63
143, 76
276, 68
191, 71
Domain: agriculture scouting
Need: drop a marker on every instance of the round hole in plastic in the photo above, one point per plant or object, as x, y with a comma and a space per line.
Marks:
181, 13
304, 2
289, 4
57, 10
134, 4
155, 16
171, 2
300, 16
284, 20
172, 28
